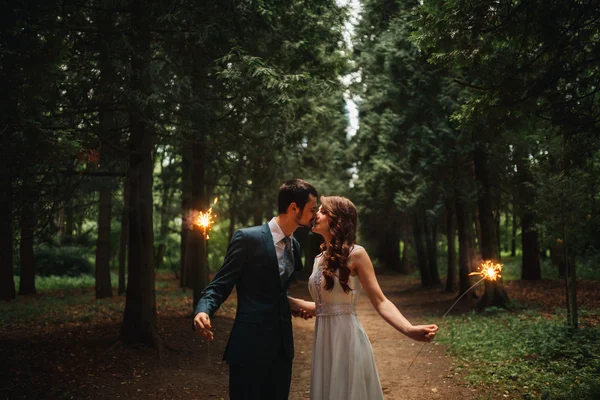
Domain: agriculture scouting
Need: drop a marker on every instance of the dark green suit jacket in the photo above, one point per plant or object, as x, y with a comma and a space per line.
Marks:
263, 327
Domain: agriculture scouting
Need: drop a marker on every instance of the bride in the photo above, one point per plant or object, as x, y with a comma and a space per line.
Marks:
343, 366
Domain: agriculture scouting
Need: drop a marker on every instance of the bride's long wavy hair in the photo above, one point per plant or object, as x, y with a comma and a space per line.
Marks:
343, 221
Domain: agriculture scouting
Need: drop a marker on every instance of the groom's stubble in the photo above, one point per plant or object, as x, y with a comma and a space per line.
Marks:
298, 220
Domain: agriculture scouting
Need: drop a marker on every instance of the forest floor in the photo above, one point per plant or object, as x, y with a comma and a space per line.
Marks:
61, 345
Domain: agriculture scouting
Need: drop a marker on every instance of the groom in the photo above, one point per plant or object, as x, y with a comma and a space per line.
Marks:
260, 262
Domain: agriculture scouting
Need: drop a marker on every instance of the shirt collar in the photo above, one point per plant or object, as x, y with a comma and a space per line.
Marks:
276, 231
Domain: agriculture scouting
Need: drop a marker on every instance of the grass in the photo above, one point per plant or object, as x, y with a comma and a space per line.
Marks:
511, 269
71, 300
526, 354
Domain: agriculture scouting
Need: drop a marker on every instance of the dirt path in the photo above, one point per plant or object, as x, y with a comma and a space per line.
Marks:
80, 361
431, 376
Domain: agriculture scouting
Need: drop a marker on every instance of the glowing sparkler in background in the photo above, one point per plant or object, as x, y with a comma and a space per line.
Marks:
488, 270
205, 220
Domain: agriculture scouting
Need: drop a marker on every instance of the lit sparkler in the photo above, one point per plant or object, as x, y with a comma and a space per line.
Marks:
488, 270
204, 220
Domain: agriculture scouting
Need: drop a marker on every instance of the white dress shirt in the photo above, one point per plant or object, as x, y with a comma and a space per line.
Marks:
278, 236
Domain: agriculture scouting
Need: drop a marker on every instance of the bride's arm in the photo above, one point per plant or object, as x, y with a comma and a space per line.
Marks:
302, 305
361, 264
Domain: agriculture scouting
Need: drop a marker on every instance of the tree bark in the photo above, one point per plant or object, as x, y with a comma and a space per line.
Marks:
477, 223
7, 282
421, 252
69, 223
405, 263
27, 283
558, 258
450, 236
530, 269
139, 320
258, 211
60, 223
186, 209
106, 119
513, 242
507, 228
572, 271
464, 227
495, 294
123, 239
431, 243
197, 257
389, 244
103, 284
166, 196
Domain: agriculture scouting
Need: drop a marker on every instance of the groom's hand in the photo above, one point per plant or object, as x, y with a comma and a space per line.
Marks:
202, 326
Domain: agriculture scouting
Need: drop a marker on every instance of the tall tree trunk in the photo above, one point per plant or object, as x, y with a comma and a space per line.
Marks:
60, 223
450, 236
495, 294
530, 269
498, 234
464, 227
139, 319
421, 252
103, 284
507, 228
7, 282
558, 258
123, 239
513, 242
477, 222
258, 210
165, 199
431, 243
390, 250
186, 209
572, 272
197, 241
27, 283
405, 263
69, 223
106, 119
232, 210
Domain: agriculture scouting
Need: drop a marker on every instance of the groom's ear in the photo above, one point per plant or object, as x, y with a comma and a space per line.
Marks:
292, 207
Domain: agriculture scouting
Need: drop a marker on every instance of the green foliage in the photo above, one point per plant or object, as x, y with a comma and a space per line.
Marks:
67, 261
525, 353
69, 284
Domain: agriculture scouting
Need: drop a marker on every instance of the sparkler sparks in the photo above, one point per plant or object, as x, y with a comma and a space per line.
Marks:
204, 220
487, 270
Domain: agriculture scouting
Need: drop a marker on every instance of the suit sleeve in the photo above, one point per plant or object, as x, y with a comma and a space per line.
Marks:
219, 289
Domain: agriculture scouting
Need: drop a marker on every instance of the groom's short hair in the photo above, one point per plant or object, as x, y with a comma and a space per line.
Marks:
294, 191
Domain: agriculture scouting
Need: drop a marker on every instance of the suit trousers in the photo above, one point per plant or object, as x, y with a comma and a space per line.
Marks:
261, 381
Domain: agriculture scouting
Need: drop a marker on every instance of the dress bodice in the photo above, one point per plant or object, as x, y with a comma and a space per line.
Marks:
334, 301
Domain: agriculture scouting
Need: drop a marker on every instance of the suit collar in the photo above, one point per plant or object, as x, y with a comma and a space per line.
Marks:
269, 246
277, 232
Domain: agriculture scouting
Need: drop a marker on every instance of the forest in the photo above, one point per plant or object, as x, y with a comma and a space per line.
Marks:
463, 131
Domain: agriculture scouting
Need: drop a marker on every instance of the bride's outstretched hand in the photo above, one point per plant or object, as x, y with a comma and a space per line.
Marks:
423, 333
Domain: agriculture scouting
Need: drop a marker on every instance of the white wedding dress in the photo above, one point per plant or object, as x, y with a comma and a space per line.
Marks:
343, 365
